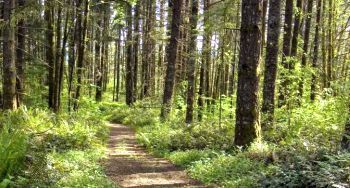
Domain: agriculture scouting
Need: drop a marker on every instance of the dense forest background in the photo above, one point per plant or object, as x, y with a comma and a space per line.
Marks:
248, 93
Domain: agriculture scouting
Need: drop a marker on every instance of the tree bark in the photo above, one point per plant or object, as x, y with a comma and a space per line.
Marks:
287, 36
296, 31
82, 26
136, 44
191, 67
271, 60
20, 61
316, 47
9, 66
247, 113
49, 52
171, 58
129, 84
305, 47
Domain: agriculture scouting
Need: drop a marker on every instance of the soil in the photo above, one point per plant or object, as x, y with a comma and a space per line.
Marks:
129, 165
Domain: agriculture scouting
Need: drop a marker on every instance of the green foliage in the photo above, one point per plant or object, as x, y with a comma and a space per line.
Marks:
230, 171
188, 157
13, 148
41, 149
173, 135
322, 171
298, 152
311, 127
79, 169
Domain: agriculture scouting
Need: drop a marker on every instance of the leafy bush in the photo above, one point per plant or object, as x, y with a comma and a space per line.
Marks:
323, 171
230, 171
79, 169
187, 158
33, 143
13, 148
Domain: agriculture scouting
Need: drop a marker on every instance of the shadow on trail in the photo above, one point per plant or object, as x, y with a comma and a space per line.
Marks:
129, 165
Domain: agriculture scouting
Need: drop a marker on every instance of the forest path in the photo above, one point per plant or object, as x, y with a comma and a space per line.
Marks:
129, 165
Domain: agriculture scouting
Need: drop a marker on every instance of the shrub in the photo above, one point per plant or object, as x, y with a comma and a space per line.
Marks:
187, 158
229, 171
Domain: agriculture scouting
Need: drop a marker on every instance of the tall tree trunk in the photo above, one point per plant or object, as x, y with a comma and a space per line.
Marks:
305, 47
136, 45
271, 60
191, 67
207, 52
316, 47
171, 58
57, 51
324, 47
82, 26
129, 84
9, 66
296, 31
20, 61
63, 55
247, 112
49, 52
264, 20
118, 64
98, 59
287, 36
330, 52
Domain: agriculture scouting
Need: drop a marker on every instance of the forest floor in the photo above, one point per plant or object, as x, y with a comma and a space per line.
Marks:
129, 165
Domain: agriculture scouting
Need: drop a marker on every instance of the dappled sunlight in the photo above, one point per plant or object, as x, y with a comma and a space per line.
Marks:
130, 165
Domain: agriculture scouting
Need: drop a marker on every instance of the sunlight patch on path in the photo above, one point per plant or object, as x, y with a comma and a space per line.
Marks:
130, 166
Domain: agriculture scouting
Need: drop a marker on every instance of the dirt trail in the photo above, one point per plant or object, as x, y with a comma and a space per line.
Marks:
129, 165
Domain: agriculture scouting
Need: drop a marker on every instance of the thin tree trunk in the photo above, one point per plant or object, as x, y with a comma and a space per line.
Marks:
98, 61
49, 52
330, 52
57, 51
82, 26
271, 60
305, 47
136, 45
287, 36
296, 31
20, 61
316, 47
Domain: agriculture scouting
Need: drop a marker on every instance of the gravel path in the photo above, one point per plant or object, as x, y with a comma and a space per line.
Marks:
129, 165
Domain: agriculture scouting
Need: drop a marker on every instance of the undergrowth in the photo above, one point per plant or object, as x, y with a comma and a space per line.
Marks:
40, 149
301, 151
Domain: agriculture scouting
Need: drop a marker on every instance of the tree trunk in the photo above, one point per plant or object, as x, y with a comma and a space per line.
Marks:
296, 31
271, 60
136, 44
82, 25
191, 67
9, 66
98, 60
20, 61
129, 84
171, 58
305, 47
247, 113
287, 36
330, 52
316, 46
49, 52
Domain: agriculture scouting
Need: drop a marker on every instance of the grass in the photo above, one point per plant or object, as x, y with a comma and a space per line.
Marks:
40, 149
301, 151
